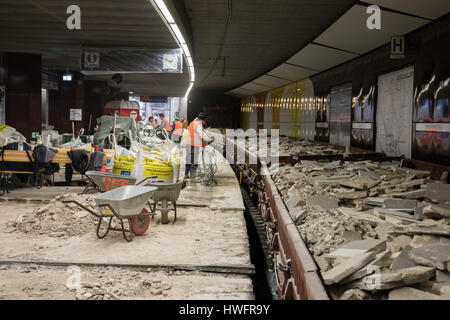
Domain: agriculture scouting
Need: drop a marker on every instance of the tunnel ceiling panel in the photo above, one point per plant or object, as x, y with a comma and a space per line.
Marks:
431, 9
291, 72
40, 27
351, 34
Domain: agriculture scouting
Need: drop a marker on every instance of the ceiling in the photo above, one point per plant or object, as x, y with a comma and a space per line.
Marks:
39, 26
236, 41
345, 39
240, 46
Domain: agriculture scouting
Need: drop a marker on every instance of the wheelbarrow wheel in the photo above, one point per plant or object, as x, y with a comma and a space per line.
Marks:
139, 224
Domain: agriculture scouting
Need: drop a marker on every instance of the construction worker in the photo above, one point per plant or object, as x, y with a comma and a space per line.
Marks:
151, 122
177, 130
164, 123
184, 122
197, 139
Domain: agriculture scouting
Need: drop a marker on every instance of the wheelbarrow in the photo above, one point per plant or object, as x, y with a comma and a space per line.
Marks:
106, 181
165, 198
124, 203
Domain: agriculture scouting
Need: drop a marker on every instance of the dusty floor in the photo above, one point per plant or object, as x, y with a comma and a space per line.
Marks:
210, 231
199, 236
43, 282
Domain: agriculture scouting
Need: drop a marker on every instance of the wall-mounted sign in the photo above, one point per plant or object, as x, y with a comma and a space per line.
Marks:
127, 60
398, 47
75, 114
433, 127
91, 59
362, 125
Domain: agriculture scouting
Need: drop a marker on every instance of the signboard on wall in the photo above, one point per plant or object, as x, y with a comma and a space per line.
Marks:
398, 47
125, 60
394, 113
75, 114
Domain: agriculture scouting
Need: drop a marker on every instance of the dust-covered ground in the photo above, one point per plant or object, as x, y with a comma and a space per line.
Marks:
39, 282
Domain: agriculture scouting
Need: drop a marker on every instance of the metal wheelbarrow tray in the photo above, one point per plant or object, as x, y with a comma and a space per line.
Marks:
105, 181
124, 203
165, 194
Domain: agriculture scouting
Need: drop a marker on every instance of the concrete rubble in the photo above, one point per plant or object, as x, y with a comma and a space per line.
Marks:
57, 219
376, 230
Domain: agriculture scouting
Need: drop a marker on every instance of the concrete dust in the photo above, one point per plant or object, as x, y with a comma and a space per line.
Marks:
112, 283
56, 219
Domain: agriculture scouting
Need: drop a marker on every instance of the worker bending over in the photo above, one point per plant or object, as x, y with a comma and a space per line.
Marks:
197, 138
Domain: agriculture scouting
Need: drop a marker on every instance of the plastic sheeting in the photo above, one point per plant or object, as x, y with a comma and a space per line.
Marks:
106, 123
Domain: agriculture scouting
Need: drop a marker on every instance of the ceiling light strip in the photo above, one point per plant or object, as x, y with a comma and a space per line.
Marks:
164, 12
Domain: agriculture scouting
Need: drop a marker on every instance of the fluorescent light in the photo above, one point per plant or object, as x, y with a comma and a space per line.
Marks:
185, 49
189, 89
67, 77
177, 32
190, 62
162, 9
165, 12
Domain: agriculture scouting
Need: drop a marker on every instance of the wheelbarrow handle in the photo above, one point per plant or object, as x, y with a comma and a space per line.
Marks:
152, 177
82, 206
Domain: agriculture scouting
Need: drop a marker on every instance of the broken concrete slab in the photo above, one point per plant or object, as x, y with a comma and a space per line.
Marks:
442, 276
408, 293
438, 192
423, 229
416, 194
350, 236
403, 260
393, 279
322, 202
356, 248
434, 255
422, 240
400, 204
360, 183
398, 243
354, 294
387, 213
365, 216
322, 263
437, 211
382, 260
351, 195
346, 268
374, 201
293, 200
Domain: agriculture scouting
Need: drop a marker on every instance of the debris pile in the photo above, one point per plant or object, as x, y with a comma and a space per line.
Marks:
324, 231
57, 219
376, 230
290, 146
110, 286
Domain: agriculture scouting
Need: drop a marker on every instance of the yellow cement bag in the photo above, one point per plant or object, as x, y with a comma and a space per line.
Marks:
159, 163
125, 162
162, 170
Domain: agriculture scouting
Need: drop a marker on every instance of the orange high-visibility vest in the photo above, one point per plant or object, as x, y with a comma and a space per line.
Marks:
193, 138
167, 125
178, 131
